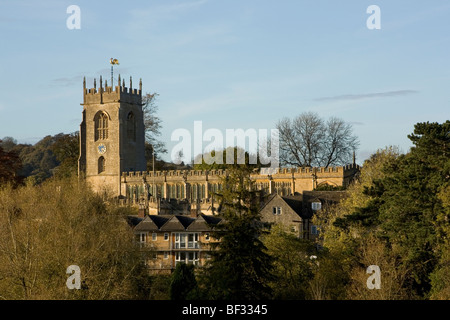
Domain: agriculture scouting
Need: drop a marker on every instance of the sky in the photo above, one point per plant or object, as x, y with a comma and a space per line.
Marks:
230, 63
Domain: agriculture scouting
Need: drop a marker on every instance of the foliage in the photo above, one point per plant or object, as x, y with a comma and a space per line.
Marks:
226, 158
292, 264
67, 151
52, 155
10, 166
240, 267
397, 215
46, 228
183, 282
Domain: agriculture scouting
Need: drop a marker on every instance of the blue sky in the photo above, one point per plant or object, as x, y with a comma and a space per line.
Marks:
231, 64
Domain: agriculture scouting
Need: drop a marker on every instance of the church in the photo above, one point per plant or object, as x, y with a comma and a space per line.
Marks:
174, 205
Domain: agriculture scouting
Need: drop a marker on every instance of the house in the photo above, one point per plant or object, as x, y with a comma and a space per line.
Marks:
294, 213
172, 239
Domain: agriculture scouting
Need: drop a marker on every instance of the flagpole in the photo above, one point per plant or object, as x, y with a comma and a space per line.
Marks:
113, 62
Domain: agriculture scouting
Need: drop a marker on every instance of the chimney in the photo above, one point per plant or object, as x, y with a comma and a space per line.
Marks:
142, 212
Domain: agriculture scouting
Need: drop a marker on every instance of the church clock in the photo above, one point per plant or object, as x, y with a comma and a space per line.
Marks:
101, 148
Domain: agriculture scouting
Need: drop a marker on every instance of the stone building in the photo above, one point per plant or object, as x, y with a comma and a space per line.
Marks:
174, 239
174, 205
294, 213
112, 159
112, 137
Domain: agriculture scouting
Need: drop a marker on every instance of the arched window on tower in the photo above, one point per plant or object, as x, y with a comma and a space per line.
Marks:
101, 164
131, 127
101, 126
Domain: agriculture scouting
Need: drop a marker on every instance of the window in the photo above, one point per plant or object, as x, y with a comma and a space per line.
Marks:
314, 230
101, 164
166, 255
131, 127
154, 236
187, 257
166, 237
101, 126
207, 236
186, 240
316, 206
276, 211
141, 238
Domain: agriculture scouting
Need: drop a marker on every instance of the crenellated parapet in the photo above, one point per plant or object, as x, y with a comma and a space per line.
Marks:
108, 94
271, 174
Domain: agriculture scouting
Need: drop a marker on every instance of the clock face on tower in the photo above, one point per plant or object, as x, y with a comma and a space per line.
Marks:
101, 148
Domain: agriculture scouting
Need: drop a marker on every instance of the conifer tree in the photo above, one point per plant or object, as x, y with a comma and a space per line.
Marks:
240, 267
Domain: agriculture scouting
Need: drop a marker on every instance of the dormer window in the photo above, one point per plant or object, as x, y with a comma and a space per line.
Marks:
316, 205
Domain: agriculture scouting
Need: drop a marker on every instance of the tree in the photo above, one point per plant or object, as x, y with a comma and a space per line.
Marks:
152, 124
66, 149
292, 264
183, 282
217, 159
46, 228
8, 143
307, 141
345, 233
10, 166
404, 206
240, 267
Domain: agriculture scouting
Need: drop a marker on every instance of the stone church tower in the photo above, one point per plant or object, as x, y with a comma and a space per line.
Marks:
112, 136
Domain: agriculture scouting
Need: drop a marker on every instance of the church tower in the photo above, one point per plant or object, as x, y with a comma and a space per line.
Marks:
112, 135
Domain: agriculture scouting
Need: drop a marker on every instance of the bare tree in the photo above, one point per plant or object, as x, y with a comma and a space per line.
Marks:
152, 123
339, 143
307, 140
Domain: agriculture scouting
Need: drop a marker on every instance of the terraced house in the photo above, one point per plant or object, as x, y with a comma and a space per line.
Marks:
174, 239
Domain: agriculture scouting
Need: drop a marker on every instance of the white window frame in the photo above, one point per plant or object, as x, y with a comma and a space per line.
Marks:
207, 236
276, 211
187, 240
166, 236
154, 236
316, 205
314, 229
187, 255
142, 237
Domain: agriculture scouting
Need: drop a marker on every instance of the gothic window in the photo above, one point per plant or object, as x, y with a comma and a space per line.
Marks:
203, 192
101, 126
101, 164
194, 193
131, 127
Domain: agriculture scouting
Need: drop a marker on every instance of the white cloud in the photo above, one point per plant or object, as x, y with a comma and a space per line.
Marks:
367, 95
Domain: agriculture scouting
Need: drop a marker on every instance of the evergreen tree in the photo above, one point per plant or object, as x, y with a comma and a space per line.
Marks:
183, 282
406, 208
240, 267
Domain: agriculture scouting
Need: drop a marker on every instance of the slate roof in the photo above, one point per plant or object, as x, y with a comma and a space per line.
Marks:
295, 203
324, 197
301, 204
176, 223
